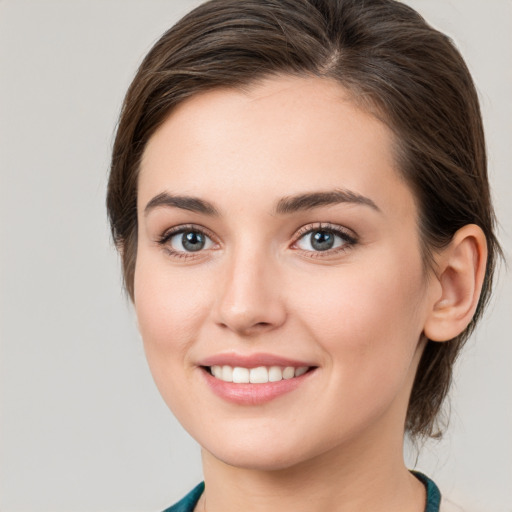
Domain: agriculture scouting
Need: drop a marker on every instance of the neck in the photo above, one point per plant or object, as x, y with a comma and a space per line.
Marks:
355, 479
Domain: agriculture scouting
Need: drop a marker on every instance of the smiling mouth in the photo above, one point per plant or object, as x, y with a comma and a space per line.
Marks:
258, 375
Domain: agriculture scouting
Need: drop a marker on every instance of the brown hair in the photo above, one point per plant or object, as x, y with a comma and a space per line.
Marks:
394, 64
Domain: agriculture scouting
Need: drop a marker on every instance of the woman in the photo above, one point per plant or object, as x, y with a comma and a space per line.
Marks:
299, 193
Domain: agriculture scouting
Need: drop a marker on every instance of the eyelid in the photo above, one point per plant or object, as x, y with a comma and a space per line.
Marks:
347, 234
181, 228
327, 226
164, 239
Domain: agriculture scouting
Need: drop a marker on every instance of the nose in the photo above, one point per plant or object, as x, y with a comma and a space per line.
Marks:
251, 298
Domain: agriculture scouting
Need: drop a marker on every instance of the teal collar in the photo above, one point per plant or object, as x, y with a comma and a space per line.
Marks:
188, 503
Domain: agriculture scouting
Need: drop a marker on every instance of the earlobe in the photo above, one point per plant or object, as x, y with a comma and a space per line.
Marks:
460, 274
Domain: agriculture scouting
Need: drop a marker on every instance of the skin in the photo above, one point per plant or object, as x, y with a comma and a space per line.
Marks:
357, 312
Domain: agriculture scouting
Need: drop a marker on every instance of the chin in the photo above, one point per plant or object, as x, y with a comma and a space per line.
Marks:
258, 460
265, 453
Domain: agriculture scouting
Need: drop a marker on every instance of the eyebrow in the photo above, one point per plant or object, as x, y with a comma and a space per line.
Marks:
193, 204
285, 205
312, 200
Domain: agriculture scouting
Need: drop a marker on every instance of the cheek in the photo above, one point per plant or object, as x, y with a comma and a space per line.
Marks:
170, 309
367, 315
369, 326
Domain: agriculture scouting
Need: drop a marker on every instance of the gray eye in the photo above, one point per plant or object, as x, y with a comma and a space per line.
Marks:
190, 241
320, 240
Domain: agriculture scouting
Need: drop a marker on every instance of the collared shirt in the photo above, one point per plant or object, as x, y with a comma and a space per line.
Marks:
188, 503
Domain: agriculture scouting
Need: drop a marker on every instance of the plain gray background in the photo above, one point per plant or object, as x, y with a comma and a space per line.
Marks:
82, 427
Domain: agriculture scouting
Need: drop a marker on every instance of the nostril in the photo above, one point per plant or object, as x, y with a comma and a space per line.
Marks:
247, 328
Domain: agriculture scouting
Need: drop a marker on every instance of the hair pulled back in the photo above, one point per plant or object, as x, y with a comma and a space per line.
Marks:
394, 65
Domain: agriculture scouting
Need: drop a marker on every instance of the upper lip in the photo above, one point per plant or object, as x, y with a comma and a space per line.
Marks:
251, 361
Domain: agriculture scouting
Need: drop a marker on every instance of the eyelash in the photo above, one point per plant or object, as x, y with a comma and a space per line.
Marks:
347, 236
349, 239
166, 237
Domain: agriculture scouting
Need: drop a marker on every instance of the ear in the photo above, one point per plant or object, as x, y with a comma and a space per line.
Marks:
460, 272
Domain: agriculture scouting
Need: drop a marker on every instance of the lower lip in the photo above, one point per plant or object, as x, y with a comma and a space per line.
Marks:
253, 394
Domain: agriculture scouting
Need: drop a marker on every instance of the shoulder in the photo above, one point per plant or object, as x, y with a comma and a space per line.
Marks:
188, 503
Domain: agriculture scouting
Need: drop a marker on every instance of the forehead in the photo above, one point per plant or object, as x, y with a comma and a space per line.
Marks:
282, 136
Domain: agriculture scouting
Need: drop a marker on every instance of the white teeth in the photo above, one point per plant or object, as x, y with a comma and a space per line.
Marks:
259, 375
289, 372
217, 371
300, 371
275, 374
227, 373
240, 375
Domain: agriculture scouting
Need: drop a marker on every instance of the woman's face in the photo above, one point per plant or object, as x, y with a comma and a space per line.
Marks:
276, 235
